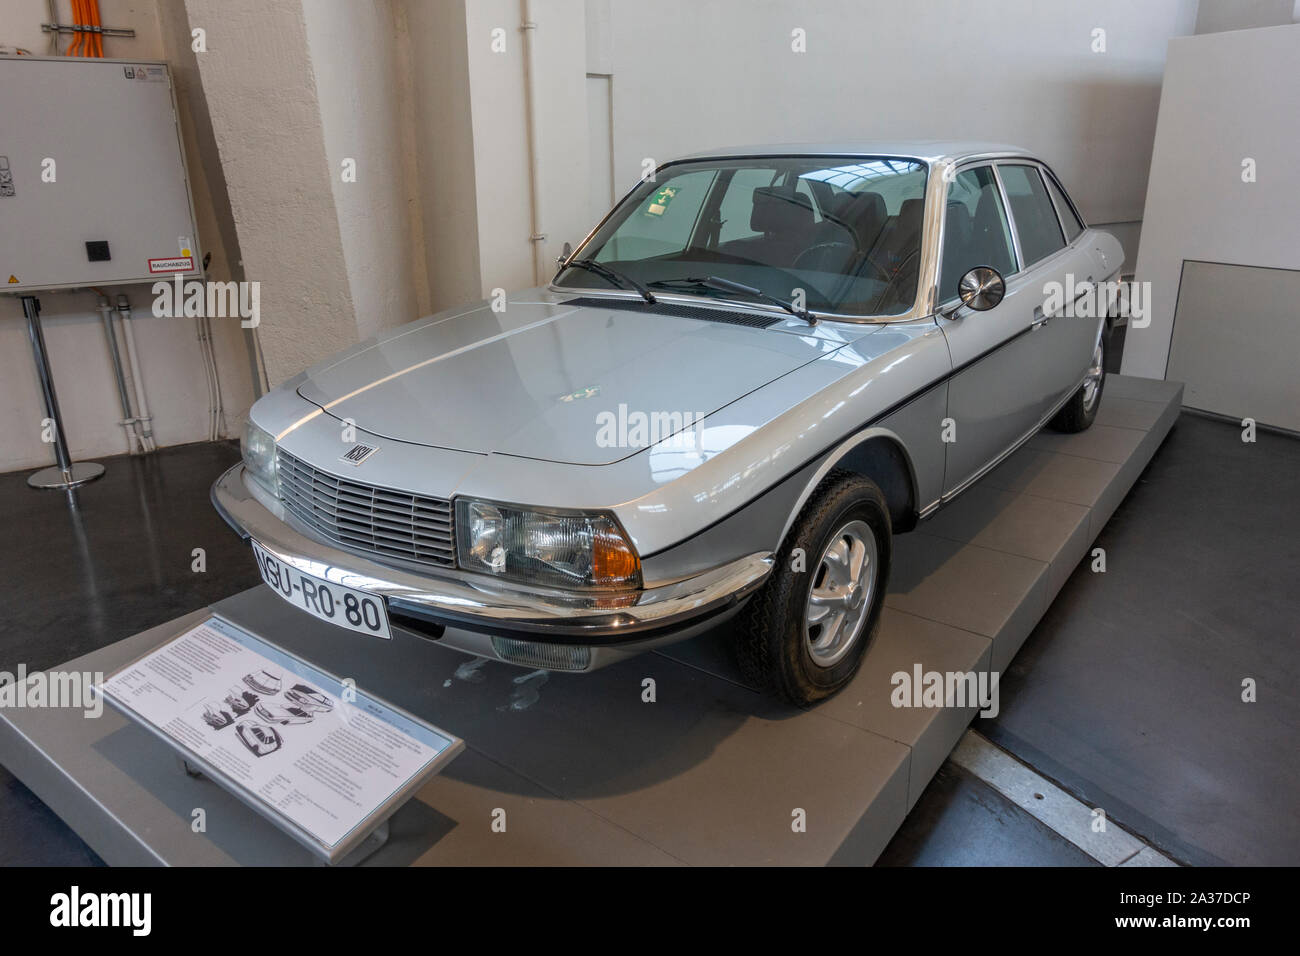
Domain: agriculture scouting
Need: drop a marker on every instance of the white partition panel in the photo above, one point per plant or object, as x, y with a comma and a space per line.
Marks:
1224, 188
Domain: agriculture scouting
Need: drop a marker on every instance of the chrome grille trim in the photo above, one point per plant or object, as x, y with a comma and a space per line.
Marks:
364, 518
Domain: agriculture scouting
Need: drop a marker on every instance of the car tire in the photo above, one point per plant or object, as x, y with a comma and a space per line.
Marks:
1078, 413
781, 647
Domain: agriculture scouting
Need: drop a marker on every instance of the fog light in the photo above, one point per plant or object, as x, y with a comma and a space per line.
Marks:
549, 657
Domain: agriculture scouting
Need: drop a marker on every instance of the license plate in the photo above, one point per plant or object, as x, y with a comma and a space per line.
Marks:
346, 607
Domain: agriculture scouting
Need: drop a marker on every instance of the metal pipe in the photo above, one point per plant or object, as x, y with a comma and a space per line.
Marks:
32, 309
218, 410
133, 359
538, 238
128, 418
54, 34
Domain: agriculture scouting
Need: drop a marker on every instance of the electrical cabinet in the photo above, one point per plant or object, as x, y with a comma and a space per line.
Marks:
93, 187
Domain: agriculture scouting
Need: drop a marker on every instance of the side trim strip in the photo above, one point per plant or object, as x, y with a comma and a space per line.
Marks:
902, 403
897, 406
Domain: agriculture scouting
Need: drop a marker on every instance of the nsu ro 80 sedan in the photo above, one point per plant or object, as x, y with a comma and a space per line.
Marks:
762, 365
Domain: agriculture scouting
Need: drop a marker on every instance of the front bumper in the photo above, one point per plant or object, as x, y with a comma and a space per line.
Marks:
477, 615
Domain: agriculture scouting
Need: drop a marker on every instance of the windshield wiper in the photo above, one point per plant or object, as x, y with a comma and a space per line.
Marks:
726, 285
617, 278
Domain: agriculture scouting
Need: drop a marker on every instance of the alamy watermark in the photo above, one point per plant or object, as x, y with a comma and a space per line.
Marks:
133, 911
215, 300
637, 429
77, 690
936, 689
1096, 300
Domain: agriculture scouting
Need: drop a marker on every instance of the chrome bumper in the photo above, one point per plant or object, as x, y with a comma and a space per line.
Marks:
473, 603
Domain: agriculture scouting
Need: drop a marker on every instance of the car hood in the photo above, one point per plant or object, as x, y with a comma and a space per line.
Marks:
539, 380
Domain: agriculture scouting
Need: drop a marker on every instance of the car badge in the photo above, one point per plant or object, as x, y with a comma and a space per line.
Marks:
358, 453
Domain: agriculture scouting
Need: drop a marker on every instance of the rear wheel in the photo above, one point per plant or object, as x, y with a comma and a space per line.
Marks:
1078, 413
805, 632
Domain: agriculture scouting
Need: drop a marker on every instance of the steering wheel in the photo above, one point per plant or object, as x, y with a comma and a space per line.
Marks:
819, 248
886, 274
893, 276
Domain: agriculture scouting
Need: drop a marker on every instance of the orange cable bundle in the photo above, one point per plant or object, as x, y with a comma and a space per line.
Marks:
97, 37
85, 13
74, 48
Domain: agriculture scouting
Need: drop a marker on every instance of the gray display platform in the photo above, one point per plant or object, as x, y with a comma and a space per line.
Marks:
583, 769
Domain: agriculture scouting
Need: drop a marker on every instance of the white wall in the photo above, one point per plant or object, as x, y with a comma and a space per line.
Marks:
500, 135
692, 75
413, 90
169, 349
688, 75
1227, 97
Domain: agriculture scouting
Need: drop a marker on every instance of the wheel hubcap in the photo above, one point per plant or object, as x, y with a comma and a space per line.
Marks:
840, 595
1092, 381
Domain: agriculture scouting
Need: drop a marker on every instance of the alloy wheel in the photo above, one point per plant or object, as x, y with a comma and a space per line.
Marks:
841, 593
1092, 380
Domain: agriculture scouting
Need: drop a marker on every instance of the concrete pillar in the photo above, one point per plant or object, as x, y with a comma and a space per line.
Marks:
259, 84
376, 155
361, 69
443, 142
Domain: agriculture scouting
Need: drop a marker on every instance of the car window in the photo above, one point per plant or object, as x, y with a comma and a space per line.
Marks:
1073, 226
1032, 211
975, 231
840, 233
663, 220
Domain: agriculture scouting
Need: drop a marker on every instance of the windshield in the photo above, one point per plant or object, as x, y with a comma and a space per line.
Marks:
832, 235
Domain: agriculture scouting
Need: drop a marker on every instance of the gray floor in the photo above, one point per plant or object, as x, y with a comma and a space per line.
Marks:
1127, 693
961, 821
114, 558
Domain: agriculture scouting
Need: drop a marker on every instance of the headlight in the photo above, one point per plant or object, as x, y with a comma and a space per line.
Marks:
549, 548
258, 447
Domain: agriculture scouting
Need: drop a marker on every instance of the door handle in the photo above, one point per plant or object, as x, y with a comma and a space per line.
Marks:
1085, 288
1040, 318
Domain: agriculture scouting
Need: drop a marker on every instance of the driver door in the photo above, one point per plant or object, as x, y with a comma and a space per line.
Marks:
988, 402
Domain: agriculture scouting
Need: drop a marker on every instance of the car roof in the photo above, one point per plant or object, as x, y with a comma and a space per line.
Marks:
929, 150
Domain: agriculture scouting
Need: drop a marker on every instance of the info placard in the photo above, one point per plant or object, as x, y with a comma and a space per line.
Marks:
286, 738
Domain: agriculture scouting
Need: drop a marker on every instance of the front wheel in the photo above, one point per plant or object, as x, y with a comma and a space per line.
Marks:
1078, 413
805, 632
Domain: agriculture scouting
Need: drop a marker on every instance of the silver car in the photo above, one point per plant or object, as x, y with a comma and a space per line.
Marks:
756, 370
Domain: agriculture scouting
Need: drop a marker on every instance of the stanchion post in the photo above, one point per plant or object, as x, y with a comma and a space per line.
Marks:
65, 472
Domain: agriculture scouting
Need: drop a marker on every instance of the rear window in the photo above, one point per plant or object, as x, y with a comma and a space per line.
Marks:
1073, 226
1032, 212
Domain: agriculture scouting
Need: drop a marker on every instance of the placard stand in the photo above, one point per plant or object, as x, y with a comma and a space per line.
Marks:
316, 731
373, 842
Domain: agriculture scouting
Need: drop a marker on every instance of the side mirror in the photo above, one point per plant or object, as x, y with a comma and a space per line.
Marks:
981, 289
563, 257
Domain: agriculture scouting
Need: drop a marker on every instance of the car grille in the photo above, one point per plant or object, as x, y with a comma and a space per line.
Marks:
360, 517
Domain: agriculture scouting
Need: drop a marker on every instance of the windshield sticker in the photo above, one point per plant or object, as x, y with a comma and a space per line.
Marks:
591, 391
659, 204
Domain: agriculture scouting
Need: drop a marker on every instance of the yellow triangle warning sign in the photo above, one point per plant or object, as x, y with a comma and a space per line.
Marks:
13, 279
